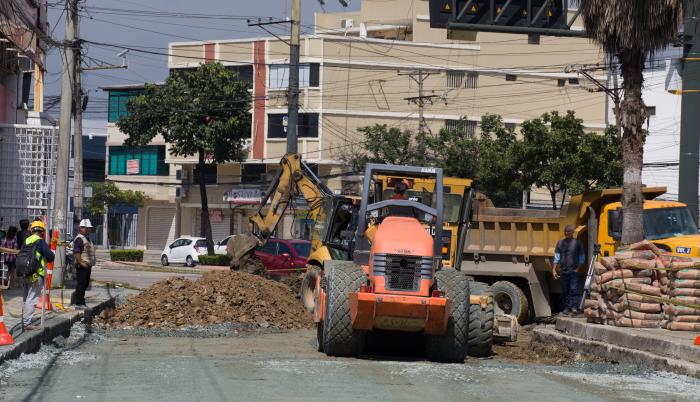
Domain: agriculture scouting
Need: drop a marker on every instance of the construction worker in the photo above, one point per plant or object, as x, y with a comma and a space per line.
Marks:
569, 256
399, 190
35, 283
84, 257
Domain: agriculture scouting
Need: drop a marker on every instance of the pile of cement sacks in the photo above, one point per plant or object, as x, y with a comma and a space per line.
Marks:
643, 287
681, 284
624, 291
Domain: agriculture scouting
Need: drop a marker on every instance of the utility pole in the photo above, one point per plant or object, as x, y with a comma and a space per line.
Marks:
78, 191
293, 90
60, 216
690, 119
419, 77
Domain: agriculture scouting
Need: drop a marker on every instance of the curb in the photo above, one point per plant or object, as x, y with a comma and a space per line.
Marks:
549, 335
53, 328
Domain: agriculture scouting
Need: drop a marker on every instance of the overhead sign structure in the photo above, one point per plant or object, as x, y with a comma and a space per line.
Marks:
544, 17
243, 196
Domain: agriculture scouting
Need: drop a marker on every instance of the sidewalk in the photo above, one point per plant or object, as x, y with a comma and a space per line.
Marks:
659, 349
56, 322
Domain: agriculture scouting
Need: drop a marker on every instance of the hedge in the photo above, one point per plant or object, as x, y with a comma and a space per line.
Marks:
219, 259
126, 255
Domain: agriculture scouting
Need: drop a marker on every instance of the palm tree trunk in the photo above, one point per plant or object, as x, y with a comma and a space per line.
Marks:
206, 223
632, 116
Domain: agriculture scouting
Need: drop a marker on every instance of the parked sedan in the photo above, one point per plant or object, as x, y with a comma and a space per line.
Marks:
184, 250
283, 256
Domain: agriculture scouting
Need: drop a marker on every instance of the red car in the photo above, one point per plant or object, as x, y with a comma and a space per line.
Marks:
284, 257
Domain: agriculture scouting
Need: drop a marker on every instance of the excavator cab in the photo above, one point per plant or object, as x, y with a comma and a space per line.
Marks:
395, 281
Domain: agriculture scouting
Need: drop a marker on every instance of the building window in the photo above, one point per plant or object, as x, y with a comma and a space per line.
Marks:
308, 76
209, 174
461, 79
117, 103
510, 126
253, 173
466, 127
307, 128
146, 161
651, 110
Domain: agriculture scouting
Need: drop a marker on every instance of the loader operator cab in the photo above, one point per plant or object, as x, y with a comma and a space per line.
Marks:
378, 204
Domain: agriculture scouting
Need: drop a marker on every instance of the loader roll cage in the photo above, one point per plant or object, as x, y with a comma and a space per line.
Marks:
362, 246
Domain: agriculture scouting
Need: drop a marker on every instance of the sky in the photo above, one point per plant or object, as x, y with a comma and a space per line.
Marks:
151, 25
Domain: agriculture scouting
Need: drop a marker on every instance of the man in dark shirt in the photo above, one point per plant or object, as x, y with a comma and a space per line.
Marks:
23, 232
569, 256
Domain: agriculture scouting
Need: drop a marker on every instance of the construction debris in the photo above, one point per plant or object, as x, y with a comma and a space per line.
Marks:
217, 297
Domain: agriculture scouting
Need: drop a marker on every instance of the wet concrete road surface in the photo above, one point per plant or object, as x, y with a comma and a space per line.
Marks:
286, 367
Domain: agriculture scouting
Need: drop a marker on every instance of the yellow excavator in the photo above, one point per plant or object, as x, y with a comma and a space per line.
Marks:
335, 220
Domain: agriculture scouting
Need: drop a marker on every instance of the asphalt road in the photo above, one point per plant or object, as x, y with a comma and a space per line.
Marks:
285, 367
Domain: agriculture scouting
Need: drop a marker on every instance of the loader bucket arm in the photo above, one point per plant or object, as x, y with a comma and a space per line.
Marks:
293, 179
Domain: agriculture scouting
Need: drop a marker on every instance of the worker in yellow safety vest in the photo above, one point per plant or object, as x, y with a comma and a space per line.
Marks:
35, 283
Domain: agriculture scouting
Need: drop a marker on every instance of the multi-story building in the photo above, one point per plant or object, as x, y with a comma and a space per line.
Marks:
27, 135
357, 69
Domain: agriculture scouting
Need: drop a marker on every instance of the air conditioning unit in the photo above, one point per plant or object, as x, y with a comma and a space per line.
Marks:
180, 192
347, 23
181, 175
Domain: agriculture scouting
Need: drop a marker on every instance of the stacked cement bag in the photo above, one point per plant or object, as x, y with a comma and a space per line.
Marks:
624, 291
680, 280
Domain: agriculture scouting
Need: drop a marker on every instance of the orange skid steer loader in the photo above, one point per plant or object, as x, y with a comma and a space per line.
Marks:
396, 280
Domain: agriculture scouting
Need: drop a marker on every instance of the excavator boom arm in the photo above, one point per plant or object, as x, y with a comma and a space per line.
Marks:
293, 179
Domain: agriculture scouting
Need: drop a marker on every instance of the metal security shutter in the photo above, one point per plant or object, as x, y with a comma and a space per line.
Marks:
219, 230
161, 227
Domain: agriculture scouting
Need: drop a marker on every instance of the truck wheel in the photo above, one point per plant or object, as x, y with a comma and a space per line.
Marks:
451, 347
510, 299
339, 338
308, 287
480, 338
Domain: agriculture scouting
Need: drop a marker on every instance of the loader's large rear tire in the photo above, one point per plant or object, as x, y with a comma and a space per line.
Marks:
339, 338
510, 299
451, 347
480, 339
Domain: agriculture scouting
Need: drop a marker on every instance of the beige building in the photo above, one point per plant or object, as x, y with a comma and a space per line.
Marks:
358, 69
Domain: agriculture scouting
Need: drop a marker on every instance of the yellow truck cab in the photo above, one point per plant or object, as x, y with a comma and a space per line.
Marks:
668, 224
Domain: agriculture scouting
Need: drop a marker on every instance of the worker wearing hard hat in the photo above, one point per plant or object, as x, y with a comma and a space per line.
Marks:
35, 282
84, 257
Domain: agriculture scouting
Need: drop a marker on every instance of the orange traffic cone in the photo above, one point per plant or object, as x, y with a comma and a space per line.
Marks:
46, 302
5, 337
697, 341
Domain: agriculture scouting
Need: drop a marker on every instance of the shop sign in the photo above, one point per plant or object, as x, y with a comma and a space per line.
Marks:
243, 196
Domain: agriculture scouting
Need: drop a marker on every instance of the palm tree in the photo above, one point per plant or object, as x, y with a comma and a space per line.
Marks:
632, 31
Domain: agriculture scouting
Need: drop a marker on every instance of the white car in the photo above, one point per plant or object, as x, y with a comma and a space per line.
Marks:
220, 246
185, 250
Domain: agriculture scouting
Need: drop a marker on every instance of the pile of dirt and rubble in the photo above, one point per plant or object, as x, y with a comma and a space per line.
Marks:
217, 297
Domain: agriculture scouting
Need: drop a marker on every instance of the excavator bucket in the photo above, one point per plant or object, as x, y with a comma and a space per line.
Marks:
240, 246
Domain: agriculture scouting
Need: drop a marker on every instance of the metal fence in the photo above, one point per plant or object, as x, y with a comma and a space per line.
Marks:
27, 171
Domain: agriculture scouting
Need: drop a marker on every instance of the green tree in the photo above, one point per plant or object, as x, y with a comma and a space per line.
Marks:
558, 154
381, 144
105, 195
631, 31
455, 152
499, 175
203, 112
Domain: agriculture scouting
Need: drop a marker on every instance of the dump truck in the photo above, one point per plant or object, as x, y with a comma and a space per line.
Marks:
512, 249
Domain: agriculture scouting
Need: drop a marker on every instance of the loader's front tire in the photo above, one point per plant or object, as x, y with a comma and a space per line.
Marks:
339, 338
480, 340
451, 347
